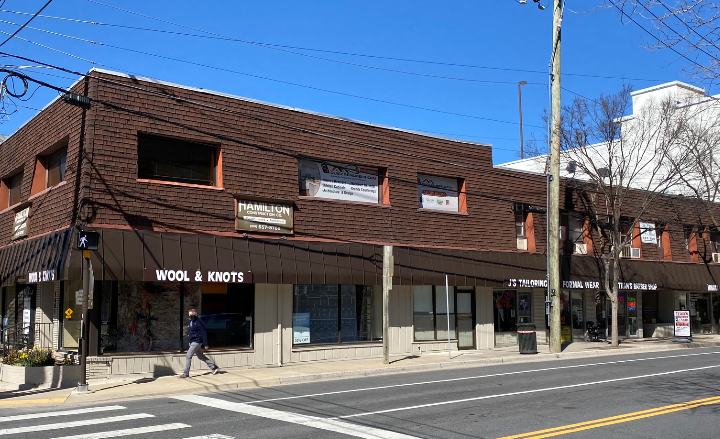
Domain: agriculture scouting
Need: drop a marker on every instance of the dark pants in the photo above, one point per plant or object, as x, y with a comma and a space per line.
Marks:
196, 349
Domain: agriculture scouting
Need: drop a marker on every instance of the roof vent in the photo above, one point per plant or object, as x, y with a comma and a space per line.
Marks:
604, 172
571, 167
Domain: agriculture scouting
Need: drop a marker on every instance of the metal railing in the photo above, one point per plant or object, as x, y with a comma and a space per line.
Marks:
36, 335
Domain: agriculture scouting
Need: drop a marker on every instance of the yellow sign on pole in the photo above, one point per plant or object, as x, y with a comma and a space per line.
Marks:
86, 254
68, 313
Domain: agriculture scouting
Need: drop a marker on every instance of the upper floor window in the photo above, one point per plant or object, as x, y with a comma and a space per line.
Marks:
439, 193
56, 167
14, 185
715, 246
571, 236
161, 158
338, 181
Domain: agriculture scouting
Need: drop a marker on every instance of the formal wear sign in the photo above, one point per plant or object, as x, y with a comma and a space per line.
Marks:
338, 181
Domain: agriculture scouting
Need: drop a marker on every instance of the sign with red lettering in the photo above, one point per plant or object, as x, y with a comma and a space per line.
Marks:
682, 323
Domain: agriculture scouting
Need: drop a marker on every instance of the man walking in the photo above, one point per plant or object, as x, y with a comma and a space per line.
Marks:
198, 339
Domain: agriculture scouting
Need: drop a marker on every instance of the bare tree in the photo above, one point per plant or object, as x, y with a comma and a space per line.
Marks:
691, 28
621, 171
696, 157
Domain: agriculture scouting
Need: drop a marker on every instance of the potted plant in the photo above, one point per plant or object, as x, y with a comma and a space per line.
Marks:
27, 368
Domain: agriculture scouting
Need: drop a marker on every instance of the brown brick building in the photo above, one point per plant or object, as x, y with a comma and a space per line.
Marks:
270, 221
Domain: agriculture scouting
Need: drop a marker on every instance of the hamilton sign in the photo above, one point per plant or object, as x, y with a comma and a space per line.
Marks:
164, 275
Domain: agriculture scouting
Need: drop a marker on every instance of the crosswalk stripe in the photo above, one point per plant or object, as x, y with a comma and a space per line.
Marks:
335, 425
128, 431
71, 424
212, 436
60, 413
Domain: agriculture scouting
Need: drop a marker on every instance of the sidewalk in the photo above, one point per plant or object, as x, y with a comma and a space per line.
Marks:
238, 378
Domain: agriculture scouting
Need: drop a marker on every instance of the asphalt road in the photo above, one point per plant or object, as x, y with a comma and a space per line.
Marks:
673, 394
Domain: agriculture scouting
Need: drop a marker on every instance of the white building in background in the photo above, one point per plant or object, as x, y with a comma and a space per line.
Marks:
704, 110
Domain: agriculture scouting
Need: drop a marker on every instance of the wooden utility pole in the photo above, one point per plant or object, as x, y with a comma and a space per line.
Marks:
554, 192
522, 146
387, 286
84, 328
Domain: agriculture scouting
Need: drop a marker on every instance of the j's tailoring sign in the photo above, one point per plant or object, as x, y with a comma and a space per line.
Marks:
232, 277
339, 182
261, 216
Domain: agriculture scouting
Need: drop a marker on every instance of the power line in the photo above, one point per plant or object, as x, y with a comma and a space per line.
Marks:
26, 23
653, 35
260, 119
688, 26
282, 46
294, 53
270, 79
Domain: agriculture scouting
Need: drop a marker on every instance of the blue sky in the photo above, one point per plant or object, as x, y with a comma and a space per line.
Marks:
483, 33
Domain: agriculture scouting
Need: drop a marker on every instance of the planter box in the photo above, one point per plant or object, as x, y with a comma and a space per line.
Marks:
51, 377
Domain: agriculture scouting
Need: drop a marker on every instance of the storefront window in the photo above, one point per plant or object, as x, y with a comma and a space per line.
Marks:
9, 312
148, 316
716, 308
650, 312
423, 313
336, 314
430, 305
226, 310
700, 308
72, 307
504, 301
524, 307
632, 314
578, 317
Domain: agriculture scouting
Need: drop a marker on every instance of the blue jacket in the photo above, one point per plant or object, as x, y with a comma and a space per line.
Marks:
198, 334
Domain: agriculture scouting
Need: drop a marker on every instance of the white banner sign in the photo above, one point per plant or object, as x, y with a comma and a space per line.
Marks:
337, 181
682, 323
438, 193
647, 233
21, 219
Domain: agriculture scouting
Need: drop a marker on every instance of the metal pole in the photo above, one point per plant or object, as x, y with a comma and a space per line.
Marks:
522, 146
83, 384
554, 199
387, 286
447, 308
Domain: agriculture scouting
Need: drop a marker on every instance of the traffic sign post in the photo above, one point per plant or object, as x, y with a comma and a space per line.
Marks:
87, 241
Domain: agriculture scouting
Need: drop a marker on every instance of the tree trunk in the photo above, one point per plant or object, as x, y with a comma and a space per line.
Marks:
614, 296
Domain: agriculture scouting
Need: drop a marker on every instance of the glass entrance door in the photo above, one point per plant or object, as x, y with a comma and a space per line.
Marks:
621, 313
466, 334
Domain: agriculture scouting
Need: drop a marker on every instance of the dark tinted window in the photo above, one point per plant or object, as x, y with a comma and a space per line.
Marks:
14, 185
56, 167
175, 160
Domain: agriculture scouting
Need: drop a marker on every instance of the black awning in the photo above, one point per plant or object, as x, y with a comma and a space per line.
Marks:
38, 256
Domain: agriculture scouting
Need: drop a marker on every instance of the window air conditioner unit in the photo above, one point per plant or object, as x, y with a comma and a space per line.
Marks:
580, 249
716, 258
635, 253
522, 243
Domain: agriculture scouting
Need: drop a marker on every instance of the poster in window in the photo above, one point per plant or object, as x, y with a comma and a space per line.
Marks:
438, 193
337, 181
647, 233
301, 327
